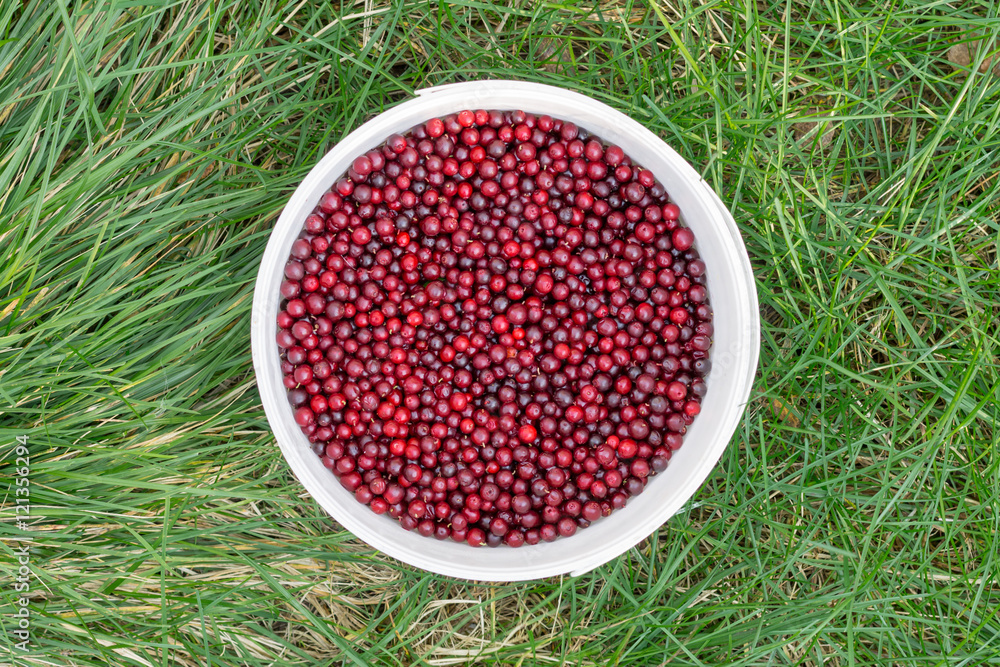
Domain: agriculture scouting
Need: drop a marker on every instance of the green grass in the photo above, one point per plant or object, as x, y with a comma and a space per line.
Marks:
146, 149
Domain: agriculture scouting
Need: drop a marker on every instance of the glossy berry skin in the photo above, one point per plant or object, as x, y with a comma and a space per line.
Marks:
495, 328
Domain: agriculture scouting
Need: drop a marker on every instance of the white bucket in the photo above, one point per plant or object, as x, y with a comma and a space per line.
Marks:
734, 352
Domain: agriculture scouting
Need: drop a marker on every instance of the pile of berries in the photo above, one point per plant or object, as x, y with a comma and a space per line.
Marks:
494, 328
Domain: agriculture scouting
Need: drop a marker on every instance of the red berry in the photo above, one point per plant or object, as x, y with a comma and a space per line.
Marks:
683, 238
